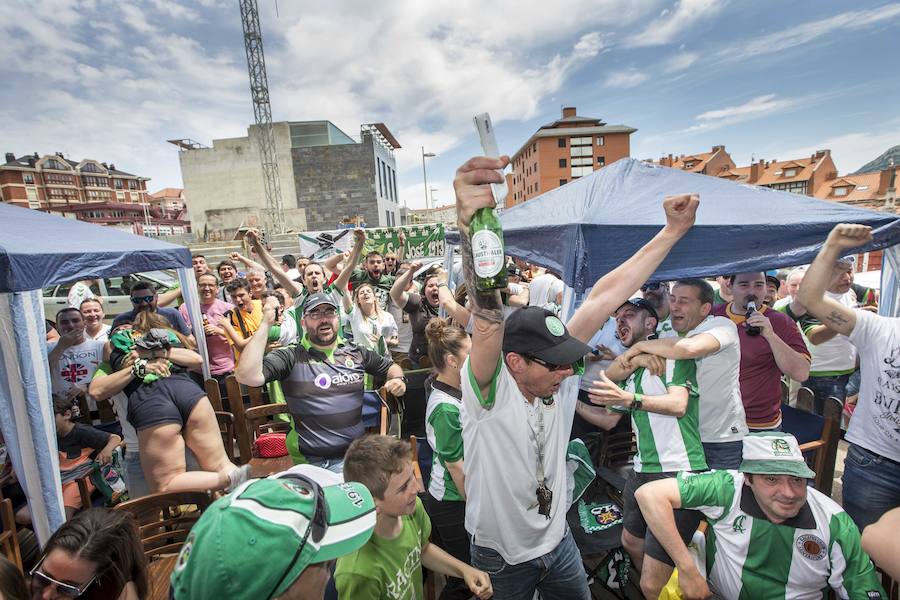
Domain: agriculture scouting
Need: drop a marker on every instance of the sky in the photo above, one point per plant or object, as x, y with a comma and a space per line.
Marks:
113, 79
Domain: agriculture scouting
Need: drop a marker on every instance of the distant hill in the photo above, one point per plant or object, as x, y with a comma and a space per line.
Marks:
882, 162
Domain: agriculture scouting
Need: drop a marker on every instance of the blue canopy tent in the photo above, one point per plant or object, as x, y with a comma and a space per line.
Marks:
588, 227
38, 250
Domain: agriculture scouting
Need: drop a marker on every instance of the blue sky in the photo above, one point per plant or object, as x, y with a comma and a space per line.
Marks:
113, 80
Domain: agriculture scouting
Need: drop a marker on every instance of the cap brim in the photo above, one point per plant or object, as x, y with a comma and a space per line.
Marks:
795, 468
351, 520
566, 352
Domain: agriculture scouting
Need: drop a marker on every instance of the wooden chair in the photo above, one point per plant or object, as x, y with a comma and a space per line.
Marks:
785, 392
9, 540
258, 420
236, 404
214, 394
164, 520
805, 398
818, 437
226, 428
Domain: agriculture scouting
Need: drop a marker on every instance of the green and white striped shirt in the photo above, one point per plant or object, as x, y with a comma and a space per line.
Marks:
666, 443
444, 431
748, 556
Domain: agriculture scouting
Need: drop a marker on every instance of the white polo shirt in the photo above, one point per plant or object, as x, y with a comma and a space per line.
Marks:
501, 465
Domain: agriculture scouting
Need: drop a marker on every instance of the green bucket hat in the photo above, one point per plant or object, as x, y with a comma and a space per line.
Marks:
774, 453
256, 541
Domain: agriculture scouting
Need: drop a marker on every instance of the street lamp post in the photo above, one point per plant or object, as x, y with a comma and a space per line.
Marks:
431, 195
424, 174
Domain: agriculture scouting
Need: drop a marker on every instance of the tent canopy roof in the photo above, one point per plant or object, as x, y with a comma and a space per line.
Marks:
38, 250
590, 226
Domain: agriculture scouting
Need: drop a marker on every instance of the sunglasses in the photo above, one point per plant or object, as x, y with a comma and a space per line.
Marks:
549, 366
650, 287
317, 526
141, 299
41, 581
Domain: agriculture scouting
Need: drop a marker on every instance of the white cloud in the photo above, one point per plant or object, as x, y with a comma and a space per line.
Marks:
851, 151
805, 33
680, 61
628, 78
758, 107
670, 26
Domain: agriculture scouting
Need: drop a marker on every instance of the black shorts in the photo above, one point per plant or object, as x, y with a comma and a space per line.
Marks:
167, 400
686, 521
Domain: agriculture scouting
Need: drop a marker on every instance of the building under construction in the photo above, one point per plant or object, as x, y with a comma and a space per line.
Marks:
327, 178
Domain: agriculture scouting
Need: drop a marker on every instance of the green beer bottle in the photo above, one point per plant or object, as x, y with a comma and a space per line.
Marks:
487, 250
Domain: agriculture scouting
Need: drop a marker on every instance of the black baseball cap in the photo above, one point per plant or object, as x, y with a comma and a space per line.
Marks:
513, 269
643, 305
317, 299
535, 331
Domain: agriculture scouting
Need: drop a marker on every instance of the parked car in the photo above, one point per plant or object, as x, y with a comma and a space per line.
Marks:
114, 292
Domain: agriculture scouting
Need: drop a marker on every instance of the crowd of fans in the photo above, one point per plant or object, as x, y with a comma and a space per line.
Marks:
696, 368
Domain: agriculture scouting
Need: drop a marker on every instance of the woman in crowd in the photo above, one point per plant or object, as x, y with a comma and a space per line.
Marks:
373, 328
448, 347
96, 555
170, 411
421, 308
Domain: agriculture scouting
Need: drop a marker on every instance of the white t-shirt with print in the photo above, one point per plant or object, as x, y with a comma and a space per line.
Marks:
501, 465
875, 425
76, 367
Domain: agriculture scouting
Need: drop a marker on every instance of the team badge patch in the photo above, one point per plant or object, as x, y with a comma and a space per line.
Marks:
781, 448
811, 546
554, 326
185, 553
596, 517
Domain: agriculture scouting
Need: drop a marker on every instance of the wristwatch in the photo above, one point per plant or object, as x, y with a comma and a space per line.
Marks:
401, 378
637, 403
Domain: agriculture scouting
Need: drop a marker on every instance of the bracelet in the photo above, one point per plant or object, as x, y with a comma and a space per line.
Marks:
400, 377
638, 401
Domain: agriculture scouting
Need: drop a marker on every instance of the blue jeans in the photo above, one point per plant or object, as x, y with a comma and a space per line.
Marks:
871, 485
335, 465
826, 387
724, 455
559, 574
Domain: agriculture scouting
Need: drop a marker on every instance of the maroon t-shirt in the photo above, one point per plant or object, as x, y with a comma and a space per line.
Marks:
760, 375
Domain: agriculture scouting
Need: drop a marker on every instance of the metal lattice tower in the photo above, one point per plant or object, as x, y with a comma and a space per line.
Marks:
262, 111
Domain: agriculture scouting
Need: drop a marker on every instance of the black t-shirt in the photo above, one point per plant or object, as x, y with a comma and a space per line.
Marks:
420, 312
81, 437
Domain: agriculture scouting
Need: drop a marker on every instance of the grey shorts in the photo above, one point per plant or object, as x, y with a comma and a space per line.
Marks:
167, 400
686, 521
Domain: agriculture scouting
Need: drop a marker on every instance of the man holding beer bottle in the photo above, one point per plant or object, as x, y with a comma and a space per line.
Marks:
519, 401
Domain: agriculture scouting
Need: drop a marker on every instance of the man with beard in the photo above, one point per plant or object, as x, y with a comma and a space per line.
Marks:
143, 297
420, 307
665, 419
519, 400
771, 344
713, 342
323, 381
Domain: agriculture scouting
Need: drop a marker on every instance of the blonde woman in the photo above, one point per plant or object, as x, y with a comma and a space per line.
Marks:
373, 328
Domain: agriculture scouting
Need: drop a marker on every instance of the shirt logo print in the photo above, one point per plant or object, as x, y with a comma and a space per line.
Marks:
811, 546
73, 372
322, 381
737, 525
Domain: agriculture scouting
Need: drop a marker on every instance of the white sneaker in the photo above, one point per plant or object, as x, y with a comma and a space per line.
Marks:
238, 476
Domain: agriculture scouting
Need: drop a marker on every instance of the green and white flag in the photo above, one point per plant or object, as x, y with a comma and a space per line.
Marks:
422, 241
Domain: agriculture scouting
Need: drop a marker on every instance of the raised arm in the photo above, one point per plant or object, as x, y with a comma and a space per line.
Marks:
399, 295
270, 265
250, 263
473, 192
401, 250
344, 277
459, 313
618, 285
677, 348
249, 370
812, 289
332, 263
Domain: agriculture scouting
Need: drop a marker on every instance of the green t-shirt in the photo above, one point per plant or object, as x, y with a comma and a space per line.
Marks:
387, 569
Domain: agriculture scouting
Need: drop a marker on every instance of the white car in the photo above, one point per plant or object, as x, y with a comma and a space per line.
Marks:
114, 292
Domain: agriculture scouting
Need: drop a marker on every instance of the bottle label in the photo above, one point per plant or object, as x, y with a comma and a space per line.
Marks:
487, 253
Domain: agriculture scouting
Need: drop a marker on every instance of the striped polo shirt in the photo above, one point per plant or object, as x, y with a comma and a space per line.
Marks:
324, 391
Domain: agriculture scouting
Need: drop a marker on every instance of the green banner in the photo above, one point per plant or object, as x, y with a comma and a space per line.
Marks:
422, 241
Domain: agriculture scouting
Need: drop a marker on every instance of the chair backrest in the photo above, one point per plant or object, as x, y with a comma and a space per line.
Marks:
818, 437
259, 420
9, 541
214, 393
164, 520
805, 398
237, 408
226, 428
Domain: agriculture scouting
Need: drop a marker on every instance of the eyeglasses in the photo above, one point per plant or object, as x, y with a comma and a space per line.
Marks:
141, 299
318, 315
40, 581
316, 527
549, 366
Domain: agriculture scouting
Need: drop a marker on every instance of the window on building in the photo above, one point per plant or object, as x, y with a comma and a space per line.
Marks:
794, 187
562, 163
580, 171
120, 196
689, 165
841, 191
790, 172
118, 184
96, 195
94, 181
601, 160
581, 151
601, 141
28, 178
862, 188
585, 161
59, 178
55, 164
91, 168
563, 181
534, 147
581, 141
561, 142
